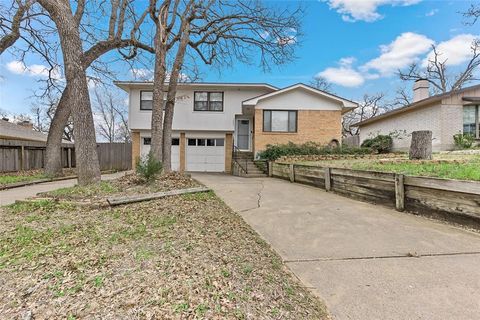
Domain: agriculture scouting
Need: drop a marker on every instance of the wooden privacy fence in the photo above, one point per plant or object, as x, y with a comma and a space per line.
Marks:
453, 200
18, 155
115, 156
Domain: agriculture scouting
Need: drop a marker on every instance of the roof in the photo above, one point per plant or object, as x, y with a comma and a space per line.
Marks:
10, 130
418, 104
347, 104
125, 85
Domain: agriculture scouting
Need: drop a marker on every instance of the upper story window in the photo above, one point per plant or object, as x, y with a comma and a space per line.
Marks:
208, 101
279, 121
471, 120
146, 100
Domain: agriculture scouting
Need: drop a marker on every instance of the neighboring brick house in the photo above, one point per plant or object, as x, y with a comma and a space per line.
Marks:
211, 120
445, 115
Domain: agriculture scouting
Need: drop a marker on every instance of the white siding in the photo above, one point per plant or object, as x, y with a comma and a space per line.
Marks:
186, 119
298, 99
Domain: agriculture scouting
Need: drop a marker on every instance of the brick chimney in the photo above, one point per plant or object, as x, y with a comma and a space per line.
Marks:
420, 90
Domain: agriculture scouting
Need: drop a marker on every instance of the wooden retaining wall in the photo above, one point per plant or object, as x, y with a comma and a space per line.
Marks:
452, 200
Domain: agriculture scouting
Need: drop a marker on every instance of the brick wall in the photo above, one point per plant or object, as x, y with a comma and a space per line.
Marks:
443, 121
313, 125
228, 152
135, 148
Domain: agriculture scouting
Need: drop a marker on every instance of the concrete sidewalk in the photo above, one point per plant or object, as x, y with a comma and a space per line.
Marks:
11, 195
364, 261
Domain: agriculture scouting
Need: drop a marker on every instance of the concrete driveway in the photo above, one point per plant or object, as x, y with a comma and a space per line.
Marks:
9, 196
364, 261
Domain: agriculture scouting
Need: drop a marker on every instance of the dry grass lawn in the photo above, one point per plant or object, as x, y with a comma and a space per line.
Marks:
182, 257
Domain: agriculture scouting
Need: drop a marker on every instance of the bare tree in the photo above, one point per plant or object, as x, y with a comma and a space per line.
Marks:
218, 33
321, 84
472, 14
77, 30
110, 117
402, 98
369, 107
10, 27
436, 72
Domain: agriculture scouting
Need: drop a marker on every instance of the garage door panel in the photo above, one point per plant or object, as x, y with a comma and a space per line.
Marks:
175, 156
205, 158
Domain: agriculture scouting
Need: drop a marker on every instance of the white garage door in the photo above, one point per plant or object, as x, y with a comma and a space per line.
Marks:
205, 154
145, 149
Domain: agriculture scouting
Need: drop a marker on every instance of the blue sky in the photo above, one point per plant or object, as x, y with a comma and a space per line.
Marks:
356, 44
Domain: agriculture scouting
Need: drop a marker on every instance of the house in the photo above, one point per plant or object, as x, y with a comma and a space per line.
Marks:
444, 114
212, 119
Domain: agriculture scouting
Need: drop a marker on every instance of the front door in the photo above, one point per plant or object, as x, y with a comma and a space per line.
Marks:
243, 134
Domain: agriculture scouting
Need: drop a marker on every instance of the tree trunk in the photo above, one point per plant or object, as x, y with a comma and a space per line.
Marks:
421, 146
158, 83
172, 92
88, 168
53, 152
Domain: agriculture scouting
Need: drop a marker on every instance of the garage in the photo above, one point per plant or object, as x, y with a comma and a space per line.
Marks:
145, 149
205, 154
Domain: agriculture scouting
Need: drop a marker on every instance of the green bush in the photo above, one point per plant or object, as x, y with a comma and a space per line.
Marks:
148, 167
379, 144
273, 152
463, 140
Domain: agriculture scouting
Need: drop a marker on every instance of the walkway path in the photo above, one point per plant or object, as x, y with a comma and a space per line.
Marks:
11, 195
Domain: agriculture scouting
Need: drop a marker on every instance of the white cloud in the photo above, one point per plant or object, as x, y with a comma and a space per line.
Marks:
431, 13
141, 73
456, 50
34, 70
407, 48
344, 75
404, 50
16, 67
364, 10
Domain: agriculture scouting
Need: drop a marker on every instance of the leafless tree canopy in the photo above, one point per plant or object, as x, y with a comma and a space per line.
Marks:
217, 33
111, 116
369, 107
437, 72
472, 14
321, 84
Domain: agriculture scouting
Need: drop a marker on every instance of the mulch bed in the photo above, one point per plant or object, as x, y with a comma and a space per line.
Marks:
182, 257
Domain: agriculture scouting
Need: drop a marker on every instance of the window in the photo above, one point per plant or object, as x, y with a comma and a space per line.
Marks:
206, 142
471, 119
279, 121
146, 100
208, 101
148, 141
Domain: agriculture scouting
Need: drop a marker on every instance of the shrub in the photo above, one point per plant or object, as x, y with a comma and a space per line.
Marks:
273, 152
379, 144
463, 140
148, 167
